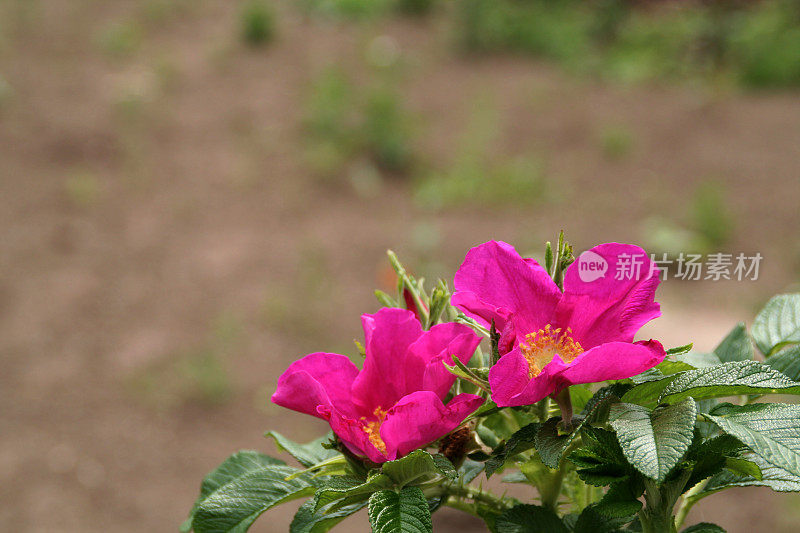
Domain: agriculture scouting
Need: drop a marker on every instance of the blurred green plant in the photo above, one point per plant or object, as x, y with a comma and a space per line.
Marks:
196, 375
753, 43
120, 39
710, 217
82, 189
616, 142
257, 21
346, 125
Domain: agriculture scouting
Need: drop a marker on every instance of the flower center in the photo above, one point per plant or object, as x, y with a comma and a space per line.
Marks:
373, 429
540, 347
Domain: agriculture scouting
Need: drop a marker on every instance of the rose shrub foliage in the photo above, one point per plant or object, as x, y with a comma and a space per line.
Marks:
533, 372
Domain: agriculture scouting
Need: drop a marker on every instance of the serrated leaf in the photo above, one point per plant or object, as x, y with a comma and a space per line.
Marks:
736, 346
348, 491
309, 519
704, 527
778, 323
234, 466
529, 519
308, 454
787, 362
771, 431
777, 479
242, 488
727, 379
654, 441
591, 521
416, 465
405, 511
621, 500
518, 442
600, 460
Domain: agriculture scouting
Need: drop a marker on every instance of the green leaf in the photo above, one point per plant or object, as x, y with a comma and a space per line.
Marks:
530, 519
591, 521
736, 346
308, 454
787, 362
743, 467
771, 431
727, 379
600, 461
704, 527
777, 479
621, 500
520, 441
678, 350
419, 465
348, 491
469, 470
778, 323
400, 512
237, 464
654, 442
243, 487
310, 519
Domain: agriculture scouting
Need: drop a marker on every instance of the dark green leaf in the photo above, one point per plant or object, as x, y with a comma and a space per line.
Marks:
778, 323
600, 460
310, 519
416, 466
308, 454
654, 441
530, 519
736, 346
704, 527
771, 431
621, 500
520, 441
591, 521
405, 511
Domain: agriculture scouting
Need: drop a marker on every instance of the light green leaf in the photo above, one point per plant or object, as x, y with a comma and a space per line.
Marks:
700, 360
727, 379
654, 441
787, 362
243, 487
400, 512
308, 454
777, 479
778, 323
743, 467
771, 431
529, 519
736, 346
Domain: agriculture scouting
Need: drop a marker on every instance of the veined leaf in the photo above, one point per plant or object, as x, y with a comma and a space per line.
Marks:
778, 323
776, 478
726, 379
308, 454
520, 441
416, 465
654, 441
310, 519
736, 346
243, 487
771, 431
787, 362
405, 511
530, 519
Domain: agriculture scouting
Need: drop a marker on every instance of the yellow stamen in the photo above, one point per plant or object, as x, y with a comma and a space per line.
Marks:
373, 429
540, 348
